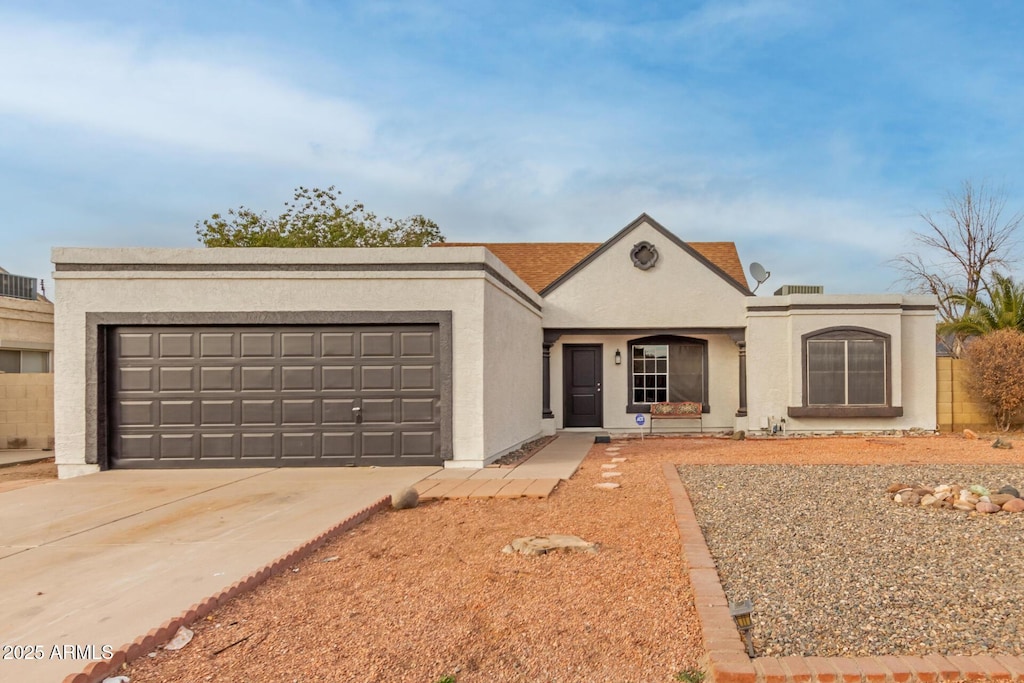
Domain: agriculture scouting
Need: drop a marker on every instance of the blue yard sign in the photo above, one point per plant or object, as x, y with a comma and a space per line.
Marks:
640, 420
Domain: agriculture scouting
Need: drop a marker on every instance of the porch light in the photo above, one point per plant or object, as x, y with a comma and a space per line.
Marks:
740, 613
618, 357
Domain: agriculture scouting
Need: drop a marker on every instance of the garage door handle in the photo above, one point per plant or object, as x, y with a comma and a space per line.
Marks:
358, 414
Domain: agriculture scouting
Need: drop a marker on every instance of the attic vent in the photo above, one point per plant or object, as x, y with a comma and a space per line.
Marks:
786, 290
17, 286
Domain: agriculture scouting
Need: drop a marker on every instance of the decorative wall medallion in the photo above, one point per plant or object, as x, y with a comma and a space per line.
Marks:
644, 255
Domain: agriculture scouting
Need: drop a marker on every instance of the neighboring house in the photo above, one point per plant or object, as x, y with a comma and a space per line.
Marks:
456, 355
26, 350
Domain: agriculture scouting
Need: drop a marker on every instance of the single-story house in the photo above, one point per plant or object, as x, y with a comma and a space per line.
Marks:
26, 351
456, 355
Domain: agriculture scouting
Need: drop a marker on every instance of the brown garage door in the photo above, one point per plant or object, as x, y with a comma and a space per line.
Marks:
271, 396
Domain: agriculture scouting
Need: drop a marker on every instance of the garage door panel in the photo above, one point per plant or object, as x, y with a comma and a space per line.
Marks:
136, 379
175, 345
216, 379
257, 378
177, 446
217, 345
217, 413
298, 445
177, 379
257, 344
273, 395
217, 446
338, 411
258, 412
298, 378
338, 378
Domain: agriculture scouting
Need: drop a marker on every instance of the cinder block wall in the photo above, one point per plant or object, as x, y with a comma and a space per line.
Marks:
26, 410
955, 408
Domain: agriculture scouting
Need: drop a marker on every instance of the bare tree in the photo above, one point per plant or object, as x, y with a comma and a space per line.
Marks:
959, 249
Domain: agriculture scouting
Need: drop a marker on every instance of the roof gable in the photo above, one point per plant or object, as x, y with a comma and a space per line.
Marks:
724, 250
546, 265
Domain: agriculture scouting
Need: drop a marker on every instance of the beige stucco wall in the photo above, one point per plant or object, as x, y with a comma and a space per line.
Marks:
723, 383
26, 324
774, 367
26, 400
610, 292
273, 287
26, 410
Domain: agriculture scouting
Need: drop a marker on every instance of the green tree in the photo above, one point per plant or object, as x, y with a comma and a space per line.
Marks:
1001, 308
314, 218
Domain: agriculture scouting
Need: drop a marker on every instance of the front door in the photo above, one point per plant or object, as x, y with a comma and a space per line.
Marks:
581, 368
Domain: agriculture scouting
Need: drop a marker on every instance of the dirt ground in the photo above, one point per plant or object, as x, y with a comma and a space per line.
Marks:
424, 594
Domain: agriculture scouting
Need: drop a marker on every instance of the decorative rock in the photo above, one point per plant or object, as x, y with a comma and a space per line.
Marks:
970, 434
896, 488
1010, 490
979, 490
908, 498
923, 491
999, 443
942, 495
739, 436
607, 485
963, 505
942, 487
1014, 505
987, 508
405, 498
541, 545
1000, 498
182, 638
929, 501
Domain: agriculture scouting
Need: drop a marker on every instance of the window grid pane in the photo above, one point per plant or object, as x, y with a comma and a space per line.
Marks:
650, 373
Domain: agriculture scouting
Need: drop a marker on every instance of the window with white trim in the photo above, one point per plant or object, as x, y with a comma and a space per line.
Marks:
667, 368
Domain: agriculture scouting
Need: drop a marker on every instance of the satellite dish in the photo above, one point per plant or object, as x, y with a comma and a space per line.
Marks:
759, 274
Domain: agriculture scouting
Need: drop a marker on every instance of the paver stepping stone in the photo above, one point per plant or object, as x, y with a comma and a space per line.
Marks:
618, 460
607, 485
609, 475
608, 467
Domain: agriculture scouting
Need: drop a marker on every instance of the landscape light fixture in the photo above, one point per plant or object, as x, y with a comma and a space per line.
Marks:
618, 357
740, 613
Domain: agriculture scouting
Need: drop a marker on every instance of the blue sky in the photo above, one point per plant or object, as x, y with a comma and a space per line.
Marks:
811, 133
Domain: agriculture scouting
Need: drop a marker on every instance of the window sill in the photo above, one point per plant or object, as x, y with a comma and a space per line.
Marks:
845, 411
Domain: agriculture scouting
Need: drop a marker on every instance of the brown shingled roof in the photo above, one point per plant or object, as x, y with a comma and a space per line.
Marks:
541, 263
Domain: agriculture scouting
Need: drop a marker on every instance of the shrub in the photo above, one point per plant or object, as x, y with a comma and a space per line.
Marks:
995, 373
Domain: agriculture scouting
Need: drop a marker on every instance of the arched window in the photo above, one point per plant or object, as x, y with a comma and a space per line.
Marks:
667, 368
847, 366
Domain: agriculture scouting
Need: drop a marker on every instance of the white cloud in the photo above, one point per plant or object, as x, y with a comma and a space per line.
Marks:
115, 85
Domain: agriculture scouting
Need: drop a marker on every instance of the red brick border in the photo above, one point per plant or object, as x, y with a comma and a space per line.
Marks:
726, 658
129, 652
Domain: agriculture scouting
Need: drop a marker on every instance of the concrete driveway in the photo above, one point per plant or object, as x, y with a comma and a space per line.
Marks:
102, 559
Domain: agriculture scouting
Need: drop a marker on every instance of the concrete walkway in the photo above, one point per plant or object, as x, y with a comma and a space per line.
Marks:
102, 559
537, 477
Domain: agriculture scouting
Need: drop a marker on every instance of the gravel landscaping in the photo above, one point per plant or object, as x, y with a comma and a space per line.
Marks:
836, 568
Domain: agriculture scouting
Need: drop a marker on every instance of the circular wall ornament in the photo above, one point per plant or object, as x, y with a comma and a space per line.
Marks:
644, 255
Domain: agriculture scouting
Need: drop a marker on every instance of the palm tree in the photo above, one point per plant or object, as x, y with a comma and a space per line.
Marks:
1003, 310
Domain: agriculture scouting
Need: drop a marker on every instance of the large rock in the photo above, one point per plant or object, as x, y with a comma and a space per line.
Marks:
979, 490
987, 508
1002, 443
404, 499
1009, 490
739, 436
970, 434
1014, 505
1000, 498
540, 545
963, 505
896, 487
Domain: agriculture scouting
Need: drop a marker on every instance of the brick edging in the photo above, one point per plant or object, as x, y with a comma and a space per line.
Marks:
129, 652
726, 658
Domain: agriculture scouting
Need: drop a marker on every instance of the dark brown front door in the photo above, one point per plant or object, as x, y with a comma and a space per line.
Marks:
581, 364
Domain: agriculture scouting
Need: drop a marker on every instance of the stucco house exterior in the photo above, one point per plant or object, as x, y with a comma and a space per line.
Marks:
456, 355
26, 351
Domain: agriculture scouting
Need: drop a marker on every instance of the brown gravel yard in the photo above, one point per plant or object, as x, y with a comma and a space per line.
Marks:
426, 593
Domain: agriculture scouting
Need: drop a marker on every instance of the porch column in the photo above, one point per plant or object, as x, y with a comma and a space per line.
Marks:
742, 412
546, 384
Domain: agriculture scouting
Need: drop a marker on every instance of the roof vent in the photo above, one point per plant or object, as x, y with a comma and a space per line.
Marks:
17, 286
786, 290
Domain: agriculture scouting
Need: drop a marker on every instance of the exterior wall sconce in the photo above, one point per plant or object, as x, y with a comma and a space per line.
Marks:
740, 613
618, 357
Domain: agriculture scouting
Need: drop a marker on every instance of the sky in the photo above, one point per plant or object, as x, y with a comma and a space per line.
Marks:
811, 133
